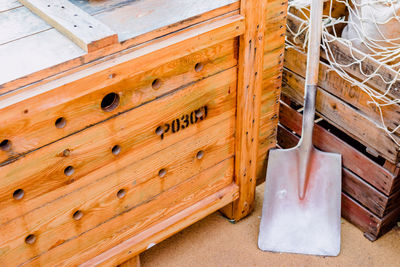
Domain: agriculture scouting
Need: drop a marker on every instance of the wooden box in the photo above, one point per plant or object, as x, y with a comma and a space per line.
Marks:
350, 126
124, 126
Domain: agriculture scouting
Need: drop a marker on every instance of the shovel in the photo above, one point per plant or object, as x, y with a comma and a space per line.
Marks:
301, 208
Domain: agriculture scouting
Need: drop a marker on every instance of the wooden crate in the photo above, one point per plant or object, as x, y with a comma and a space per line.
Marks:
364, 179
349, 126
114, 137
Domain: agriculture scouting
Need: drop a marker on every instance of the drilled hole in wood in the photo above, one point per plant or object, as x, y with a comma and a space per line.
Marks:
159, 130
77, 215
30, 239
60, 122
156, 84
162, 173
69, 171
200, 154
116, 149
199, 113
26, 111
66, 152
199, 67
18, 194
5, 145
110, 102
121, 193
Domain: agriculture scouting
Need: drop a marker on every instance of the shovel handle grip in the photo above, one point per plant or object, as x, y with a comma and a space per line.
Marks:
314, 42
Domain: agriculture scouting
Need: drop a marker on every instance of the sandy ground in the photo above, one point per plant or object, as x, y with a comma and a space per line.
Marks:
214, 241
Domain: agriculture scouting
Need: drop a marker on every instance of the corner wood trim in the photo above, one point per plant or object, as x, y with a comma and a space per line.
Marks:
83, 29
248, 106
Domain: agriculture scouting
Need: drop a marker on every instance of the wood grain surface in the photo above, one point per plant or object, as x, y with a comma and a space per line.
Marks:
29, 125
99, 196
44, 170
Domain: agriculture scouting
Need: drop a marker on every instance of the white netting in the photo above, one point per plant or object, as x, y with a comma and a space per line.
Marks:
371, 26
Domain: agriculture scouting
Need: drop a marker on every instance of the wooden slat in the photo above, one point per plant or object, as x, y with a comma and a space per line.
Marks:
87, 32
137, 219
352, 159
44, 170
6, 5
329, 80
166, 228
248, 106
158, 52
132, 262
275, 27
346, 56
79, 102
149, 14
29, 70
364, 193
359, 216
10, 20
98, 200
345, 117
372, 226
142, 17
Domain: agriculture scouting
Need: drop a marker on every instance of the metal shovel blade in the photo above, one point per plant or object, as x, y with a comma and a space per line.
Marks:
310, 225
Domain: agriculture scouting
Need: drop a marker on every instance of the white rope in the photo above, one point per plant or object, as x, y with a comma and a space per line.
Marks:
372, 27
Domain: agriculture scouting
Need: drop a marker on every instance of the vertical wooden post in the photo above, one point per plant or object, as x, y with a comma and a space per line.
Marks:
133, 262
248, 106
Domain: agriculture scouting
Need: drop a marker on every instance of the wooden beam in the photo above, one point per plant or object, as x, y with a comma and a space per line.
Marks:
249, 90
164, 229
83, 29
132, 262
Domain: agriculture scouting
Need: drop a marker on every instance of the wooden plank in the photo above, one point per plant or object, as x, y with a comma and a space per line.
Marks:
6, 5
133, 262
352, 159
166, 228
372, 226
29, 70
46, 169
141, 17
329, 80
57, 50
138, 219
79, 102
248, 106
148, 57
275, 27
144, 13
353, 185
345, 117
346, 56
359, 216
98, 201
87, 32
11, 28
364, 193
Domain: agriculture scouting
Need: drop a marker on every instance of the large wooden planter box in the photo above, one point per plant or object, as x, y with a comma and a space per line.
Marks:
350, 126
111, 145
